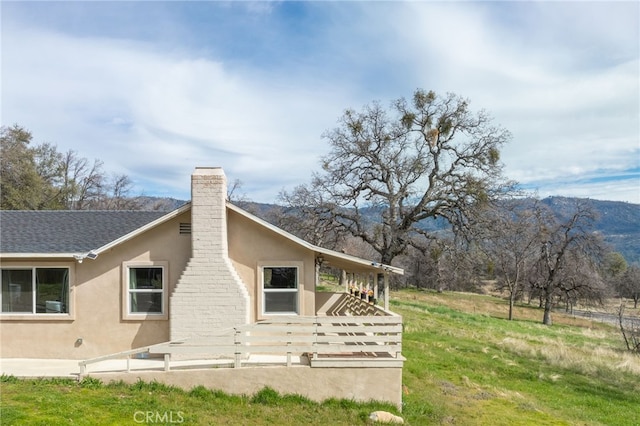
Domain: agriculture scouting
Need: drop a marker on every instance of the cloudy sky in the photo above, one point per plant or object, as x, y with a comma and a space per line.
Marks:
154, 89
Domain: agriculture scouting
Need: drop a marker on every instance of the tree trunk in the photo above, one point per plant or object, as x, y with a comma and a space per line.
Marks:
511, 297
621, 323
546, 319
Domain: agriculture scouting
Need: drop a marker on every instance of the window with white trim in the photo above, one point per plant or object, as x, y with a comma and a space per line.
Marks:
35, 291
280, 287
146, 290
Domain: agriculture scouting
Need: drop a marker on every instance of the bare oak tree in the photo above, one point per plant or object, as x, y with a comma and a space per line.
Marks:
304, 214
83, 181
430, 157
117, 197
508, 235
628, 284
567, 265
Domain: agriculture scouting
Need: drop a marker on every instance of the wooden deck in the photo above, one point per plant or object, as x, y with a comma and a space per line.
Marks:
327, 341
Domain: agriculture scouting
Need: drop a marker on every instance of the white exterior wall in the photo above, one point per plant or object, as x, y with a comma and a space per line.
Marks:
210, 294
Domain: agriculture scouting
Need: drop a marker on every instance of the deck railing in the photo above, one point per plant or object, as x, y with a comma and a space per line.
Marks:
325, 340
345, 304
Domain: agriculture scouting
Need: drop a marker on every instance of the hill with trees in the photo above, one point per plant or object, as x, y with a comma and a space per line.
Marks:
617, 221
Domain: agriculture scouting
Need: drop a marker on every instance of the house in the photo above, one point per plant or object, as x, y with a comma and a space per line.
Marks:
86, 284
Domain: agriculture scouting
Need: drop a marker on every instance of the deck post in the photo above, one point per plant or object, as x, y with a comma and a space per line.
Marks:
315, 339
386, 291
375, 286
167, 357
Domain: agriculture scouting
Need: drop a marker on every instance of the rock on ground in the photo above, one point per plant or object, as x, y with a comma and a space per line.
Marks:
385, 417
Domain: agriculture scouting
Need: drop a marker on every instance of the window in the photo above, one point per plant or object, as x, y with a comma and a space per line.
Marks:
35, 291
146, 290
280, 290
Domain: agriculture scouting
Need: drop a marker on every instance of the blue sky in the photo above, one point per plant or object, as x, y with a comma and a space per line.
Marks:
155, 89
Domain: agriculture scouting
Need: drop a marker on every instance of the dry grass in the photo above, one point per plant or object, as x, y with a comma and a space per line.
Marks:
490, 305
592, 349
586, 359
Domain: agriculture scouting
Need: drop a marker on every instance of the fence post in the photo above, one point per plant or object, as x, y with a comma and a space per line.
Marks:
288, 350
237, 343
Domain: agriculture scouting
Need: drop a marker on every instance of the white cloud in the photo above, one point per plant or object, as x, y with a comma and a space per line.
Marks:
132, 106
570, 98
559, 76
620, 189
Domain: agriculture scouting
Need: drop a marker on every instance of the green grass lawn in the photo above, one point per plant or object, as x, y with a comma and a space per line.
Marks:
466, 365
67, 402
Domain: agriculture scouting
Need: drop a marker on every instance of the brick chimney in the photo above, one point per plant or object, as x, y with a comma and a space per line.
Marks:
210, 295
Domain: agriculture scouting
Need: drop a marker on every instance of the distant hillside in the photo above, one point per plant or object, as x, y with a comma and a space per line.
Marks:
158, 203
619, 222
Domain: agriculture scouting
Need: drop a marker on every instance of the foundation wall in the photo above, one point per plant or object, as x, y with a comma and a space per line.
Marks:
317, 384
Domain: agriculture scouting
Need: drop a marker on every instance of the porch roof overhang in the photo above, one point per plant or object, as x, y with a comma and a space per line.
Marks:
353, 263
331, 257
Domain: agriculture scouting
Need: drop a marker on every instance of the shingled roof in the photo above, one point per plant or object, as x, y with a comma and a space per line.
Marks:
67, 231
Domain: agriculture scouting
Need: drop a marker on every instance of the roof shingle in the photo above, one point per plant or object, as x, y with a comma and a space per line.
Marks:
67, 231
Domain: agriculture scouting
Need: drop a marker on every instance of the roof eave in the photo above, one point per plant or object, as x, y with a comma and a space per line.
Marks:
365, 264
38, 255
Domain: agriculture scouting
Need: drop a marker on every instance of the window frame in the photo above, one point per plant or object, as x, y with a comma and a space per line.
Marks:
299, 290
126, 291
34, 315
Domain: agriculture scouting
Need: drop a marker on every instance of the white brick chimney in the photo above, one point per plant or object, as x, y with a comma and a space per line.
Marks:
210, 295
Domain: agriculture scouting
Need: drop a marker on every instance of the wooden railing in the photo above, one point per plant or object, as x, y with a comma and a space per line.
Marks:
336, 337
345, 304
359, 307
325, 340
119, 355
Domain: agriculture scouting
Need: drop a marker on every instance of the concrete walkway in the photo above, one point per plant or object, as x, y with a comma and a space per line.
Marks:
28, 367
22, 367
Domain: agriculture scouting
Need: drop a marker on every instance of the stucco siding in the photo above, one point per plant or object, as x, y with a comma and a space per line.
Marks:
251, 245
